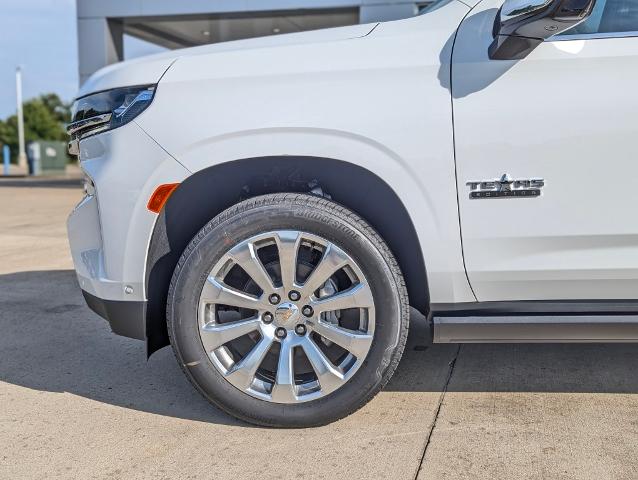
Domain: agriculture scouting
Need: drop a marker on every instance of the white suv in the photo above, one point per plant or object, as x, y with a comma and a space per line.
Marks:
272, 207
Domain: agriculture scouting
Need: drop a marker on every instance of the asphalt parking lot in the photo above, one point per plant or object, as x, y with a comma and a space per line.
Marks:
78, 402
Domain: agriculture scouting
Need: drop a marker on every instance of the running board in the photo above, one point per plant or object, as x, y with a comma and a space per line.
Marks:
536, 329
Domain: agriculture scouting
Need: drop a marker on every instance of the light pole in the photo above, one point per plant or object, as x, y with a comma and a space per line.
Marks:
22, 157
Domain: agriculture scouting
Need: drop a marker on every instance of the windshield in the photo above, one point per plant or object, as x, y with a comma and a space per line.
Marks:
435, 6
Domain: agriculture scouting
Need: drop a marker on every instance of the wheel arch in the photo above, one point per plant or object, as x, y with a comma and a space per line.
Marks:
210, 191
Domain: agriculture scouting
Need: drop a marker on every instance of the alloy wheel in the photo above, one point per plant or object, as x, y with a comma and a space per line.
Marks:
286, 316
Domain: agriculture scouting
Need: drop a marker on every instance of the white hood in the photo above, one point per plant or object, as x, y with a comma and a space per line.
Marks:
147, 70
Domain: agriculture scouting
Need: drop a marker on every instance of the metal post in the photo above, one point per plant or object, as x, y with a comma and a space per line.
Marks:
22, 157
7, 156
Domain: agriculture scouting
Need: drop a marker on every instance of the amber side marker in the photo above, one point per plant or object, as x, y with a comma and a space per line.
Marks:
160, 196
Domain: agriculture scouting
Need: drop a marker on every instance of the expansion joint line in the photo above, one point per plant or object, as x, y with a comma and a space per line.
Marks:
450, 372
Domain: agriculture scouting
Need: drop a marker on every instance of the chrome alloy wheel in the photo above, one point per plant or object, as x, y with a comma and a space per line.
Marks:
286, 316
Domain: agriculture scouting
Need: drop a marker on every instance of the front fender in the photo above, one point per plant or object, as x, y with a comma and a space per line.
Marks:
381, 102
436, 225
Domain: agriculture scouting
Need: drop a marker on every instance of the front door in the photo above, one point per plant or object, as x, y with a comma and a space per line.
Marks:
547, 159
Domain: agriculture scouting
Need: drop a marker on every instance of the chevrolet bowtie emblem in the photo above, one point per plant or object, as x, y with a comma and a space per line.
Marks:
286, 313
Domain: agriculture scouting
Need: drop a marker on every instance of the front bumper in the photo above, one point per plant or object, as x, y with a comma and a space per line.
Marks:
110, 229
126, 318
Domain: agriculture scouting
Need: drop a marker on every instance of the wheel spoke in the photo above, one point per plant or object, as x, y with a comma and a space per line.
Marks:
215, 335
333, 259
358, 296
243, 373
245, 255
355, 342
284, 389
329, 377
288, 246
215, 292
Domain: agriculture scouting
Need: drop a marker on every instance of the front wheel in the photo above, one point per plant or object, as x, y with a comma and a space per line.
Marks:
288, 310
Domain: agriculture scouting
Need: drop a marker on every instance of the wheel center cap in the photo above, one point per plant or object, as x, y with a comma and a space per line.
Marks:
286, 315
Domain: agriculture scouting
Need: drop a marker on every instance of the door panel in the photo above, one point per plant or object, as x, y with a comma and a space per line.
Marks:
567, 114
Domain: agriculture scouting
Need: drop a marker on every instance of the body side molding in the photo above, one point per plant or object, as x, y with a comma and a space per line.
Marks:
566, 321
536, 308
536, 329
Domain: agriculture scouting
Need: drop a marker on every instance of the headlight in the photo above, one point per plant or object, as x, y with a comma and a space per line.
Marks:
107, 110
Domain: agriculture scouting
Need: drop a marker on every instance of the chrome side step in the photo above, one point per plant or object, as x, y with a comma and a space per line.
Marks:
536, 329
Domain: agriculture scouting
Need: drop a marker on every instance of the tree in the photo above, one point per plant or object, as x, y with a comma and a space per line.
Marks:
55, 105
44, 119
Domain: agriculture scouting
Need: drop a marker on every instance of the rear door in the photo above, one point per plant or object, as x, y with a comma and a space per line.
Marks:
547, 159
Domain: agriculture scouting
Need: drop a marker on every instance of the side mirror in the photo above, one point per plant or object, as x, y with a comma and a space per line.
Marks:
522, 25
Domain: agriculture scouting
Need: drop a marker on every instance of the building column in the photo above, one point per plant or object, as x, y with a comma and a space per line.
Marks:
100, 43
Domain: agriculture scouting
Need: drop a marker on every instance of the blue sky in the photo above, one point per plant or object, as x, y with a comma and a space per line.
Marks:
41, 36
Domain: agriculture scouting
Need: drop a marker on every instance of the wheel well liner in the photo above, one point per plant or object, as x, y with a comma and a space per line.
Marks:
209, 192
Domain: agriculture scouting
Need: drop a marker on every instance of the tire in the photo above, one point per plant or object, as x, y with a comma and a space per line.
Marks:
370, 280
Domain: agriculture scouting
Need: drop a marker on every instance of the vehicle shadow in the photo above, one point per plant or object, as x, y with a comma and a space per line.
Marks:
52, 342
473, 71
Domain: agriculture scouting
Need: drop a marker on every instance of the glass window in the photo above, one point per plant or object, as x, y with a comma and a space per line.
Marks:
431, 6
610, 16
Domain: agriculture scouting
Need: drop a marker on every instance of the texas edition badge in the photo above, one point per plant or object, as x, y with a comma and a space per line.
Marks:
505, 187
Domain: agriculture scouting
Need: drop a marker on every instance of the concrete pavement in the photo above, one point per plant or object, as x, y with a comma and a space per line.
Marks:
78, 402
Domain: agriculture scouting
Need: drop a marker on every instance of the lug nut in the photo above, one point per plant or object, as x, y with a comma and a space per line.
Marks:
267, 317
307, 311
274, 299
300, 329
280, 333
294, 295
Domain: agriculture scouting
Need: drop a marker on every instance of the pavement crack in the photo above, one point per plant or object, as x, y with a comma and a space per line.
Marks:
439, 405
